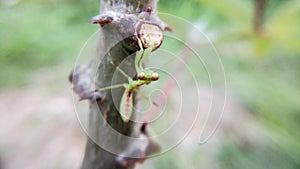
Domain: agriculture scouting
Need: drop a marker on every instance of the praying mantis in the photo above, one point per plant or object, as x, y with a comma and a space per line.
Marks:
149, 37
144, 77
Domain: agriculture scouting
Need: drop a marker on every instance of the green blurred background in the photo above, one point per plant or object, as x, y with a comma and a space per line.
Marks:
263, 71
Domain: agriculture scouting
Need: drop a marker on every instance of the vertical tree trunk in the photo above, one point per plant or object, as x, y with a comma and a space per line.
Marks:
258, 20
118, 21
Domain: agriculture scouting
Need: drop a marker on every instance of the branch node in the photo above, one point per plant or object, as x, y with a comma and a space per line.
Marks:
101, 19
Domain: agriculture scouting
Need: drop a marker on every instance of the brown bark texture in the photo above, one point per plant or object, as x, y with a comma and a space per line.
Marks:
259, 12
121, 24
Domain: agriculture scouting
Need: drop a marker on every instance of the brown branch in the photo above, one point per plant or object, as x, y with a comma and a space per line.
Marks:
258, 19
120, 23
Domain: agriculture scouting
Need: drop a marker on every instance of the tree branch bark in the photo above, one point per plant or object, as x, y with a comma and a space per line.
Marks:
120, 23
258, 20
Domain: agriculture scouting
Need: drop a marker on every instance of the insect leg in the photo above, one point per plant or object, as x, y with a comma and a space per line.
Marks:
139, 56
121, 71
147, 98
146, 53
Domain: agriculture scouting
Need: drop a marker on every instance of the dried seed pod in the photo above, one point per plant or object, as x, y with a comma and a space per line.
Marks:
149, 34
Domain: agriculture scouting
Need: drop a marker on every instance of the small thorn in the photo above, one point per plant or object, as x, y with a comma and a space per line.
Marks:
94, 96
113, 63
70, 77
97, 96
155, 104
144, 128
149, 9
122, 161
101, 19
168, 28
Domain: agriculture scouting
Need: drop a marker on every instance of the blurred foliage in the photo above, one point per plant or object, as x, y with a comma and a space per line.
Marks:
39, 33
270, 156
263, 69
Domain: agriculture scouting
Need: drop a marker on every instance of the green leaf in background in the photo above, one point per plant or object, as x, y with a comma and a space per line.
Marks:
284, 26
